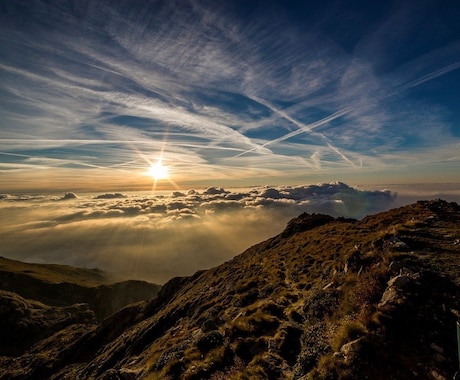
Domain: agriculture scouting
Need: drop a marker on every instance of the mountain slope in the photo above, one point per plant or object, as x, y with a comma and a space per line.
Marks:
326, 299
63, 285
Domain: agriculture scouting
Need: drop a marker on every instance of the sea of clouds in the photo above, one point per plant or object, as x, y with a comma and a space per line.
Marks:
158, 236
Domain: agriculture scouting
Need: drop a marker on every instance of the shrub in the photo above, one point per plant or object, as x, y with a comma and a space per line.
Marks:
348, 332
320, 305
209, 341
369, 288
257, 324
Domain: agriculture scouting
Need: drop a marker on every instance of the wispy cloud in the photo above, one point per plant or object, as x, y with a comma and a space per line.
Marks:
303, 128
99, 87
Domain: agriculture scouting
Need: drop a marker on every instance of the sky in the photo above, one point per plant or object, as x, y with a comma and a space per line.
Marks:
156, 138
227, 93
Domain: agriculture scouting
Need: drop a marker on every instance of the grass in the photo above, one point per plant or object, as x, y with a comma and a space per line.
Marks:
348, 332
54, 273
256, 323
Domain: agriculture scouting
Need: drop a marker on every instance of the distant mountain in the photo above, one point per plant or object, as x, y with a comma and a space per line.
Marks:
326, 299
36, 300
63, 285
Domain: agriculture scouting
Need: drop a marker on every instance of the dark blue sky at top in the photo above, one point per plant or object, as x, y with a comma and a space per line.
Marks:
285, 90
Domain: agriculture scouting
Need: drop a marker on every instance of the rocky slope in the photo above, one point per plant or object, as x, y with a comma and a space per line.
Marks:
326, 299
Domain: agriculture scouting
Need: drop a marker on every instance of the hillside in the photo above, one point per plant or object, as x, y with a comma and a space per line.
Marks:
55, 274
38, 300
325, 299
63, 285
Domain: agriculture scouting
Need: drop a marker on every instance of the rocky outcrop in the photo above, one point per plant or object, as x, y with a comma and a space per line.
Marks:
305, 222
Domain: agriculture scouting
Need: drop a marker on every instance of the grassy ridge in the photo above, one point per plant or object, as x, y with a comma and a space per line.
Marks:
56, 274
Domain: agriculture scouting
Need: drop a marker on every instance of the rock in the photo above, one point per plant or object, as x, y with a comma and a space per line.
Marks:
394, 243
348, 347
399, 282
348, 350
395, 289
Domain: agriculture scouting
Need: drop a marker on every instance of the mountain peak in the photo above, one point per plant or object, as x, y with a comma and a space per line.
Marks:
305, 222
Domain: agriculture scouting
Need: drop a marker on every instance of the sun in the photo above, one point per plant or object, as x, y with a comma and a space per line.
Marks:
158, 171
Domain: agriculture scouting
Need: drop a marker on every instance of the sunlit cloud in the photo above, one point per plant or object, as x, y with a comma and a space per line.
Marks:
165, 234
157, 237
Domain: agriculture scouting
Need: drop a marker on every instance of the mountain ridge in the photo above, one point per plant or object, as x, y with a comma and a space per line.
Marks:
325, 299
64, 285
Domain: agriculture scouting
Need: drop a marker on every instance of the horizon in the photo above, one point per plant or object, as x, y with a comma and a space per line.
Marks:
158, 236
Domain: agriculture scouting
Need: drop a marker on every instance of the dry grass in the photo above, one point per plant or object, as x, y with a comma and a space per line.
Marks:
56, 274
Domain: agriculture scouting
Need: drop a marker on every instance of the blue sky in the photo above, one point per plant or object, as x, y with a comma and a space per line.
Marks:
227, 93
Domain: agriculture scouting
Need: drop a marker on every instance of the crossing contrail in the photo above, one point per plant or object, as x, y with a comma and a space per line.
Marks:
305, 128
302, 127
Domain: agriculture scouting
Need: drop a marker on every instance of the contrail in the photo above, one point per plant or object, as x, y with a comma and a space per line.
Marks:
302, 127
57, 160
336, 150
309, 127
433, 75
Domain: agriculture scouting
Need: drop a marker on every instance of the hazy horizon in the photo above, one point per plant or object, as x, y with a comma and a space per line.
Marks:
157, 236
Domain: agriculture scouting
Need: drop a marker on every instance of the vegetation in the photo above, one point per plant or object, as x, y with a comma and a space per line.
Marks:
63, 285
326, 299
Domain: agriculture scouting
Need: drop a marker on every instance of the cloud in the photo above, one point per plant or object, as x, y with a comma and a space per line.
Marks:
215, 191
110, 196
69, 195
156, 238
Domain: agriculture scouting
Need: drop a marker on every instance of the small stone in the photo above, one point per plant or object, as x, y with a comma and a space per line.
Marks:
348, 347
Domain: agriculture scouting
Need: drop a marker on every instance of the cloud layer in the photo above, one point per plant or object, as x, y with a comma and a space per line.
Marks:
158, 237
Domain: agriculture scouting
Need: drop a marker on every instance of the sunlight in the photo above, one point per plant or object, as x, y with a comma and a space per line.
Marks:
158, 171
